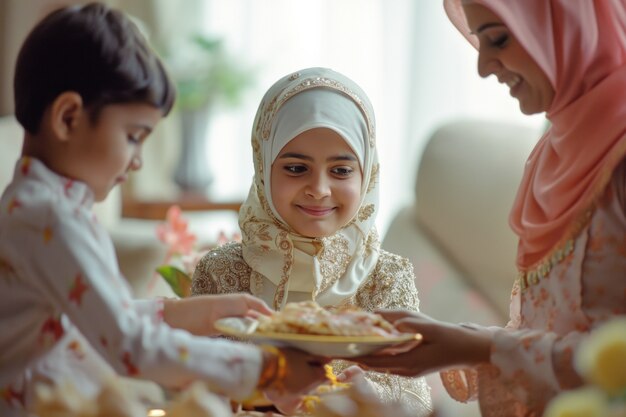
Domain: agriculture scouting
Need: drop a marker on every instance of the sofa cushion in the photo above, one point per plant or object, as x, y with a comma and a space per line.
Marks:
465, 187
444, 292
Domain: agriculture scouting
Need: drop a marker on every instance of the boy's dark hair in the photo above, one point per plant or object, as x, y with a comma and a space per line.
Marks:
95, 51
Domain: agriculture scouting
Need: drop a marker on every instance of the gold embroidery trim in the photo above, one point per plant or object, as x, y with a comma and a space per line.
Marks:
334, 259
307, 83
532, 277
527, 278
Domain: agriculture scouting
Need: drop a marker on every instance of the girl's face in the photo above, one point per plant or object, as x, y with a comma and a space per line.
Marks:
106, 150
316, 183
501, 54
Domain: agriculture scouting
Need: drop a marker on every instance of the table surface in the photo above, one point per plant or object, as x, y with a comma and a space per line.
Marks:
156, 209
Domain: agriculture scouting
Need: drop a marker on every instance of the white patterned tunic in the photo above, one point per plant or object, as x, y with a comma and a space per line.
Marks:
66, 312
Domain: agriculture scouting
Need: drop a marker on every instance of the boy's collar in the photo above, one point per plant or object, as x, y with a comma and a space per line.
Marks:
74, 190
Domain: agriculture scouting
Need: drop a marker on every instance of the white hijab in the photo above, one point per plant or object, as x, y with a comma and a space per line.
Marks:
330, 269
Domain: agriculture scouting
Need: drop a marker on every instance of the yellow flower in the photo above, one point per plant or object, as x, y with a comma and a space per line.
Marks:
583, 402
601, 358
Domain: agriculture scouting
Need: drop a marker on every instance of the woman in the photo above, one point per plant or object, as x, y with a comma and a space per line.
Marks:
565, 58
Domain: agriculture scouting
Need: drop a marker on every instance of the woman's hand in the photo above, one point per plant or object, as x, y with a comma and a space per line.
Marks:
443, 345
198, 314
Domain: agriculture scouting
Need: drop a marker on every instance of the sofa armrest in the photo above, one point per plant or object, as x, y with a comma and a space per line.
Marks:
444, 291
465, 187
11, 136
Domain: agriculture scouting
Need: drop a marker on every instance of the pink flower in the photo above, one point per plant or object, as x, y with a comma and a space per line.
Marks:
174, 233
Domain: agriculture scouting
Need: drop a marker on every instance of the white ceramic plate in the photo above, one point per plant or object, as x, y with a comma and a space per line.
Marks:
323, 345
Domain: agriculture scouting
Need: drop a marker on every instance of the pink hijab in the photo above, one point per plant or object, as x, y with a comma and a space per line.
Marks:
581, 46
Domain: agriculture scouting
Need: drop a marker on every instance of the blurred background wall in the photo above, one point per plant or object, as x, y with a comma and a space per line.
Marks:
417, 69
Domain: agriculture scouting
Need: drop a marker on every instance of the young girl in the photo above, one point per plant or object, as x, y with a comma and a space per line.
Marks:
566, 58
308, 223
88, 91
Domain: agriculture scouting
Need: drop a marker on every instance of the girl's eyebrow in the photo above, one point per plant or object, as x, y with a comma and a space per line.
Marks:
485, 26
343, 157
295, 155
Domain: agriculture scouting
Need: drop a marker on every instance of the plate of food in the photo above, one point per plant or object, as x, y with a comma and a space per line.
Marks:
339, 332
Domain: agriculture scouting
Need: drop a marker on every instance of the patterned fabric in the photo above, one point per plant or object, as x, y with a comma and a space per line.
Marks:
334, 266
390, 285
531, 360
66, 312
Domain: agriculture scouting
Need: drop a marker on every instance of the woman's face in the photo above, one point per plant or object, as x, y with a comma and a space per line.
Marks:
501, 54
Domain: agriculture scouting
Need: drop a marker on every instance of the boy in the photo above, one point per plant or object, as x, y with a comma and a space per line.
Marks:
88, 91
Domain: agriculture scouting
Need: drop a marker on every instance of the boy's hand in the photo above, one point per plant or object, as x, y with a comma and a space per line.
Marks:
198, 314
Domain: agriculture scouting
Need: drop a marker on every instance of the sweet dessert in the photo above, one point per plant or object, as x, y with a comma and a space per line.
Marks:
64, 400
198, 401
118, 398
356, 401
308, 317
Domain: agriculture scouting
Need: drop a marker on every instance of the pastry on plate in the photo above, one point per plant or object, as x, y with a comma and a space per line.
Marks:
308, 317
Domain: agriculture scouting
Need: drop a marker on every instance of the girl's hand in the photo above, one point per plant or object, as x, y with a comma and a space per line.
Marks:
197, 314
444, 345
350, 373
356, 375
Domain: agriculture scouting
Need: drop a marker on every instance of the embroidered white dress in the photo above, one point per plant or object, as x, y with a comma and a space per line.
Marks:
347, 267
66, 312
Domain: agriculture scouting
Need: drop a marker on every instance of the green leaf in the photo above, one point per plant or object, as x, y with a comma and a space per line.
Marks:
178, 280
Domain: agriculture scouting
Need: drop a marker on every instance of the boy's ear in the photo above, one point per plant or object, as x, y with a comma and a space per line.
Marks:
65, 113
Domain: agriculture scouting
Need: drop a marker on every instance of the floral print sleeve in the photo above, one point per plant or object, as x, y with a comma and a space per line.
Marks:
58, 271
531, 358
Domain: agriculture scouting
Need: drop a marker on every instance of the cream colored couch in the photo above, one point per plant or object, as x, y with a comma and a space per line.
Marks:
11, 135
456, 232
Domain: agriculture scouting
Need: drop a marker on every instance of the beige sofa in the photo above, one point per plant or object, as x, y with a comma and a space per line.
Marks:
10, 145
456, 232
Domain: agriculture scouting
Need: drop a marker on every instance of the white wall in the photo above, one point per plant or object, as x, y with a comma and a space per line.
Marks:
416, 68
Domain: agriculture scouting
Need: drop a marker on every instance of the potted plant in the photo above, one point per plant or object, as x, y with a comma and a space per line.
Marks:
205, 76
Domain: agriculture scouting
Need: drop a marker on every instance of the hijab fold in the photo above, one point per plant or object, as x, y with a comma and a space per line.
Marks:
581, 47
